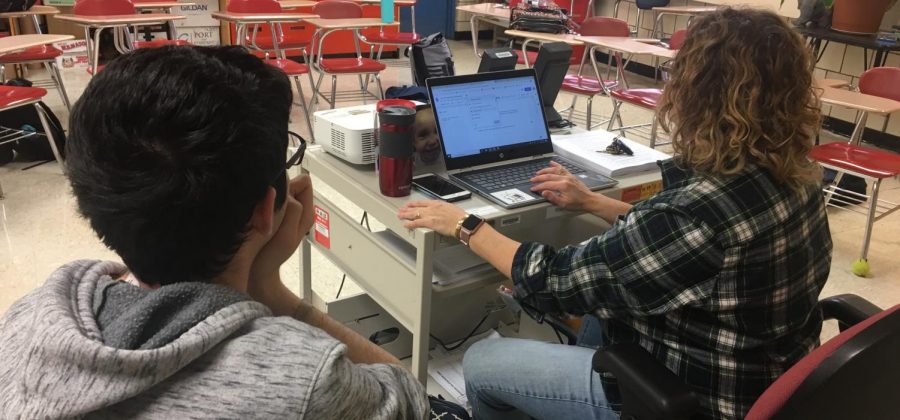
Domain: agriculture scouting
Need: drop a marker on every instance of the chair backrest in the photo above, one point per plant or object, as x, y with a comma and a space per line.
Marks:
253, 6
677, 39
881, 81
604, 26
853, 375
338, 9
103, 7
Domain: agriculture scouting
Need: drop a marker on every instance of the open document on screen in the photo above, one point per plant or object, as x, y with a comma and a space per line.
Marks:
489, 115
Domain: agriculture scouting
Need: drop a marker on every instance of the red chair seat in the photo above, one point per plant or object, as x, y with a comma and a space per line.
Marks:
585, 85
11, 96
351, 65
156, 43
38, 53
646, 98
532, 57
289, 67
861, 160
393, 38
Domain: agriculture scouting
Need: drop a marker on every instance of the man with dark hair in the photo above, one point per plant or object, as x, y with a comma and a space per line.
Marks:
176, 156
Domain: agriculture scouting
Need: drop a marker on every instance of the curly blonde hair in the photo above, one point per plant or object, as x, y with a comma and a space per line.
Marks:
741, 92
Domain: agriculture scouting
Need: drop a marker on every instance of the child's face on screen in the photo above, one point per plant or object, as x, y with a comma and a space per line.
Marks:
426, 138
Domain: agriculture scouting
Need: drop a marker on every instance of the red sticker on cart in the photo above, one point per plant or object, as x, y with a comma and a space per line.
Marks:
323, 228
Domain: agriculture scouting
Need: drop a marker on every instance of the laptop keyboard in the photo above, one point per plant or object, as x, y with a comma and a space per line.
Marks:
510, 176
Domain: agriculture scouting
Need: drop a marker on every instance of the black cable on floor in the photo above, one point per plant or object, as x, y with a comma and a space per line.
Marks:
467, 337
364, 219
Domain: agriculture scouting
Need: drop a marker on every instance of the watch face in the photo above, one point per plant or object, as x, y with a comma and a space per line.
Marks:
472, 222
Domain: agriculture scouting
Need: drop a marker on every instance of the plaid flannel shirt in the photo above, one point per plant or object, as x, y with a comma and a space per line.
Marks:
716, 277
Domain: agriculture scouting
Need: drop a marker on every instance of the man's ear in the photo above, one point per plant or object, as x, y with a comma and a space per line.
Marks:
264, 214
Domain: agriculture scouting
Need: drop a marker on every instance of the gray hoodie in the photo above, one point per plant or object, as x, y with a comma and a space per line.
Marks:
232, 361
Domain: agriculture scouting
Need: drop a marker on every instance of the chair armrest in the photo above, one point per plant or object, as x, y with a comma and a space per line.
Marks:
847, 309
649, 390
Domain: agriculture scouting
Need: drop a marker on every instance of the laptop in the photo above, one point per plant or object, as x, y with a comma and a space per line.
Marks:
495, 137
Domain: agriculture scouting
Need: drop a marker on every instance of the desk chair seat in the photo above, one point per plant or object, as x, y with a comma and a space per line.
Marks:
862, 160
295, 70
644, 98
156, 43
351, 65
584, 85
38, 53
43, 54
14, 97
395, 38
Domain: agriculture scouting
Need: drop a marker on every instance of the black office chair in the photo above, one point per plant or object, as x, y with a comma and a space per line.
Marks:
854, 375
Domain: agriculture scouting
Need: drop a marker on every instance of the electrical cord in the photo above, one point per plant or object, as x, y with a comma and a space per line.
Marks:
467, 337
364, 219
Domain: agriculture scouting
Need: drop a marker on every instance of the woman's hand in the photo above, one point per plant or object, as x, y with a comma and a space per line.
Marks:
436, 215
562, 189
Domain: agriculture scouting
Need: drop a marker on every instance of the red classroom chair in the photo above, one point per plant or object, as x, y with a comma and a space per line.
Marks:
41, 54
873, 165
396, 39
359, 65
587, 86
14, 97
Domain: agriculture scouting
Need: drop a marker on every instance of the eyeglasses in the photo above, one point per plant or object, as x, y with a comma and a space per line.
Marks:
296, 159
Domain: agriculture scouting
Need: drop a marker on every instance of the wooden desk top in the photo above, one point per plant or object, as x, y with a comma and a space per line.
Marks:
119, 20
860, 101
34, 10
358, 23
627, 45
486, 9
160, 4
568, 39
688, 10
293, 4
832, 83
20, 42
262, 17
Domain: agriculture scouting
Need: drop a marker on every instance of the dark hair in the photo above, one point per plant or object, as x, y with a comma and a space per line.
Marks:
171, 149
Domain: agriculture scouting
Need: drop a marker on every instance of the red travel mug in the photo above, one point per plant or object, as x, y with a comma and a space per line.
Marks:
395, 150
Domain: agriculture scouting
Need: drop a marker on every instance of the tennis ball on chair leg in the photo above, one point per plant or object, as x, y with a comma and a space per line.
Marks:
860, 267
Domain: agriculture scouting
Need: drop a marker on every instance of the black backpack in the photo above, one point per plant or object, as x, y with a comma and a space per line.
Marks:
31, 148
15, 5
431, 57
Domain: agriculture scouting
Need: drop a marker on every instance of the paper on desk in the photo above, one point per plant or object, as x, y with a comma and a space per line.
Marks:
446, 367
582, 148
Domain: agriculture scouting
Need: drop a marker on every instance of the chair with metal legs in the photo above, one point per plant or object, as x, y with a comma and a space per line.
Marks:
396, 39
359, 65
14, 97
589, 87
871, 164
42, 54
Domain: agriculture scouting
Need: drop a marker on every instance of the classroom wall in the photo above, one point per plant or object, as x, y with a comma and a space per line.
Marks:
838, 62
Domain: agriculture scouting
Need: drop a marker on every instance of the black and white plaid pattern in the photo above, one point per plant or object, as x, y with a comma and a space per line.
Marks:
716, 277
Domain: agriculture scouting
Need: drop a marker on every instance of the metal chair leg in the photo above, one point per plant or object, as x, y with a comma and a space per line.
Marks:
589, 112
653, 129
333, 90
378, 83
57, 77
312, 134
2, 74
870, 218
317, 90
615, 115
45, 123
572, 108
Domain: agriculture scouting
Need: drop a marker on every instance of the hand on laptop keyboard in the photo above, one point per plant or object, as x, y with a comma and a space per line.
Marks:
560, 187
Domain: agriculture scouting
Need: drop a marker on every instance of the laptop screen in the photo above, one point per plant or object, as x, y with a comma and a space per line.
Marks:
489, 117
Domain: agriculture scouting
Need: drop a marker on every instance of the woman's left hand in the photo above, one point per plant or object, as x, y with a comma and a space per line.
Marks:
436, 215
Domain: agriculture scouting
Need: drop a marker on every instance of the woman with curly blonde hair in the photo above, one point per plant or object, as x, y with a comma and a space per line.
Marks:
716, 276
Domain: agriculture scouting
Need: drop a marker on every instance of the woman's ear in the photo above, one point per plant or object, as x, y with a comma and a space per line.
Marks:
263, 217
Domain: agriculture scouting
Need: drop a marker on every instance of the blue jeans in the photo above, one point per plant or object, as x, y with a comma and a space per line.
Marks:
515, 379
